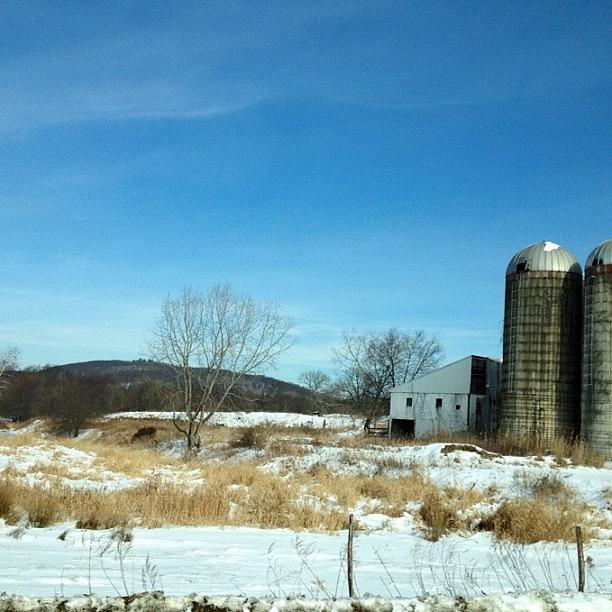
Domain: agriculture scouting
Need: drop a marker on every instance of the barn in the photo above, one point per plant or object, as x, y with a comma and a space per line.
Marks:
459, 397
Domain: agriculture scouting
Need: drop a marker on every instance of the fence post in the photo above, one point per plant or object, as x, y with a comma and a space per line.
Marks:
579, 545
349, 556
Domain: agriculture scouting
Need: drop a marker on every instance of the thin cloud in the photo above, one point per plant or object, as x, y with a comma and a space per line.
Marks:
222, 59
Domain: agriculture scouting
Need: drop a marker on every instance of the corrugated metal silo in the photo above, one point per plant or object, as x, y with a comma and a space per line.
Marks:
541, 370
597, 356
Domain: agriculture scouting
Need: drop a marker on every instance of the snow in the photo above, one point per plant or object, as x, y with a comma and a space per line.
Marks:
392, 558
78, 465
444, 464
254, 419
279, 563
535, 601
460, 468
29, 428
551, 246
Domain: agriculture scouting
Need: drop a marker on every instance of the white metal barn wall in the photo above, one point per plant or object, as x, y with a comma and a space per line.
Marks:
444, 400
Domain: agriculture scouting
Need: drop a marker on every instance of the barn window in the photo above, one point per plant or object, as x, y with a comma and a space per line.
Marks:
408, 402
457, 407
438, 402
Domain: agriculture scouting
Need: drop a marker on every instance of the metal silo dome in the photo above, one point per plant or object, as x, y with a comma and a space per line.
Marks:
543, 256
601, 255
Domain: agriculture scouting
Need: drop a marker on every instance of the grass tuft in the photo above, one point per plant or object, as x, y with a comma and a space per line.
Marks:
250, 437
438, 516
528, 521
7, 500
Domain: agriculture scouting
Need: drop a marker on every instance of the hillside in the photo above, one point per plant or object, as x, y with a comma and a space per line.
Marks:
142, 370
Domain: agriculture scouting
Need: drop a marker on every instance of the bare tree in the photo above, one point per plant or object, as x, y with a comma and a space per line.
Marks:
315, 380
371, 364
212, 341
321, 388
71, 400
9, 360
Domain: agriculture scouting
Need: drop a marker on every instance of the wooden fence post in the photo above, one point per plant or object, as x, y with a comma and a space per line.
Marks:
349, 556
579, 545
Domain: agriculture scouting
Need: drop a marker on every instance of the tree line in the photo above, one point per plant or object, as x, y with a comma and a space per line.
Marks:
71, 400
212, 341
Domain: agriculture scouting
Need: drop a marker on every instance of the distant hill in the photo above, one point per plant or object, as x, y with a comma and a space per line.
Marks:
142, 370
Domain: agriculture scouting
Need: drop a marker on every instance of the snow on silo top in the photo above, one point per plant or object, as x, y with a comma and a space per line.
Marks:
601, 255
544, 256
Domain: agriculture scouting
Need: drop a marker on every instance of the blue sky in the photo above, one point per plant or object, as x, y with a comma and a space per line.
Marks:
365, 164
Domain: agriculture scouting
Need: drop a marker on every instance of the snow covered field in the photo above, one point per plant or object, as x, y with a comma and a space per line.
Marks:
392, 554
254, 419
280, 563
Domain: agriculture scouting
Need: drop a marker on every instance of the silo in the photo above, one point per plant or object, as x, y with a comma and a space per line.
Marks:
541, 370
597, 355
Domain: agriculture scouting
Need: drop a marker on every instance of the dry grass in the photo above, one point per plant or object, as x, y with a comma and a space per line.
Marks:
250, 437
551, 486
549, 511
388, 463
364, 442
237, 493
231, 495
240, 493
16, 501
62, 470
286, 448
128, 459
448, 509
7, 497
124, 429
391, 494
528, 521
546, 487
27, 438
577, 451
438, 515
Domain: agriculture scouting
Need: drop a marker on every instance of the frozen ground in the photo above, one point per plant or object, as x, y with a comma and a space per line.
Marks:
392, 557
279, 563
535, 601
250, 419
463, 468
444, 464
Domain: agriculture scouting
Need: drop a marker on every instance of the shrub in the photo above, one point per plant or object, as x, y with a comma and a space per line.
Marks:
250, 437
7, 500
438, 515
44, 512
122, 534
95, 521
551, 487
528, 521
